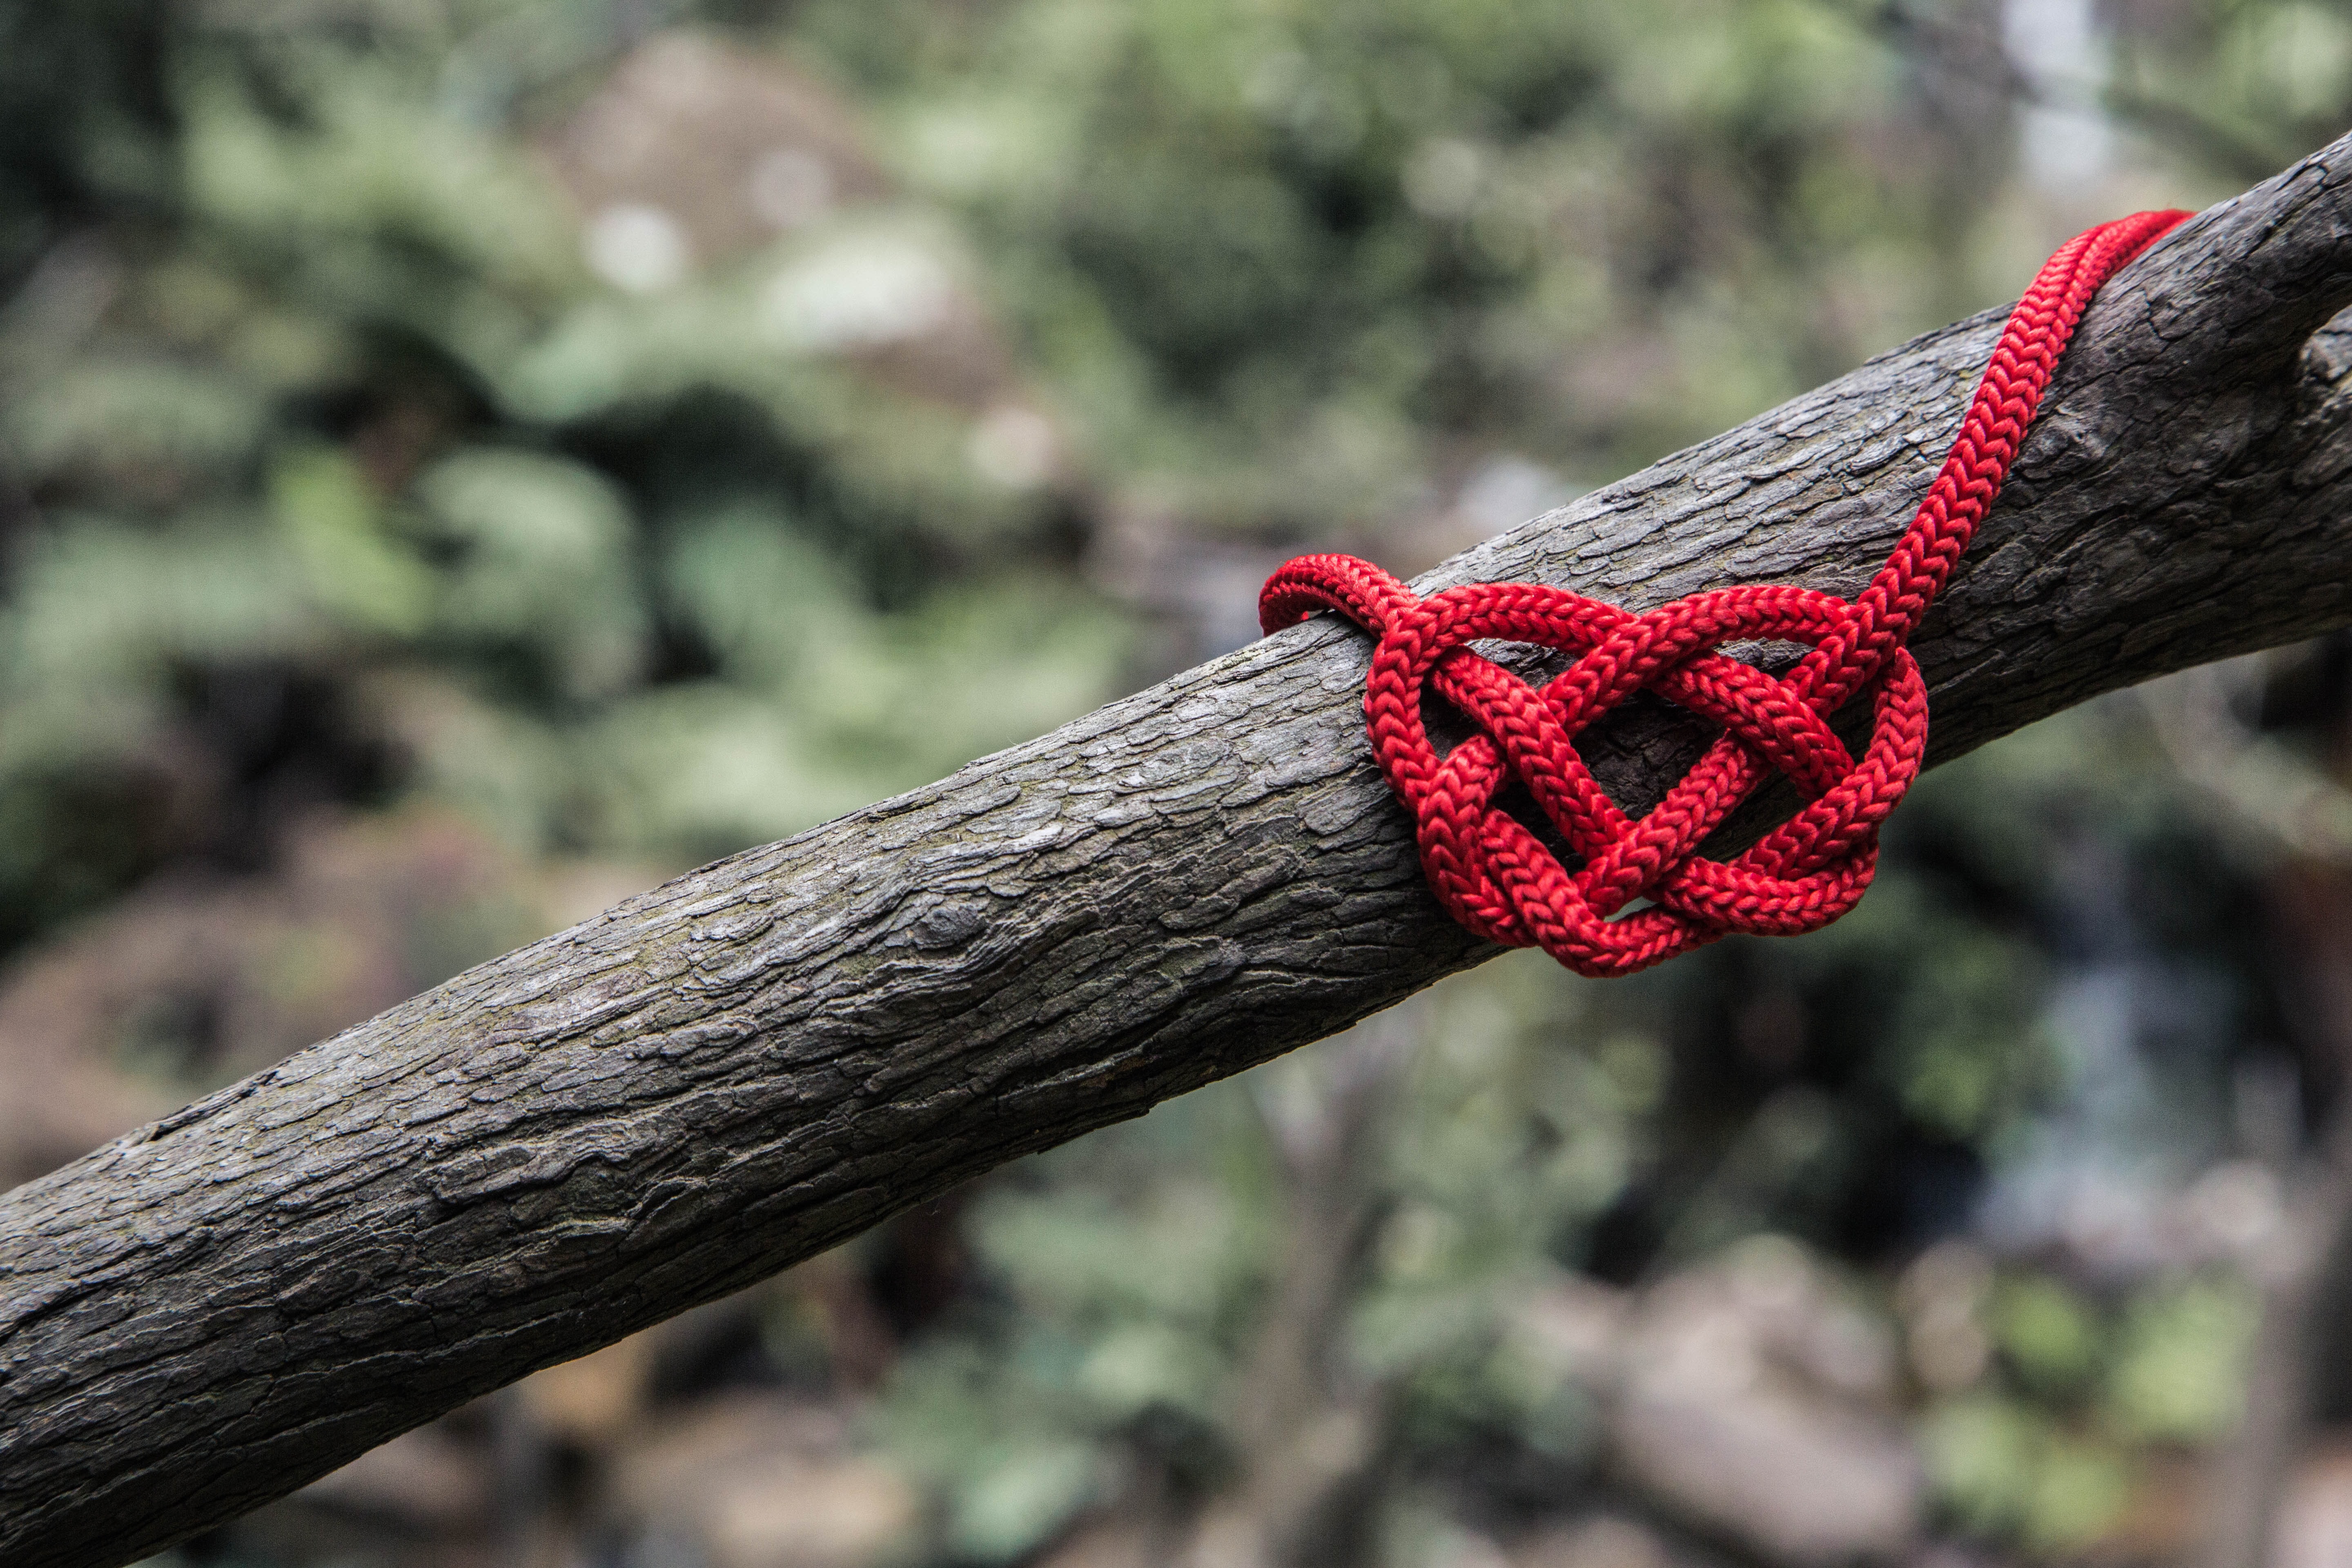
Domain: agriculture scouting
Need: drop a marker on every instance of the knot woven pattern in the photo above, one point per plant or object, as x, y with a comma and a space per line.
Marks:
1491, 871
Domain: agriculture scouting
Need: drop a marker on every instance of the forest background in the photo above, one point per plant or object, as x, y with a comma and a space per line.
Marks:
463, 461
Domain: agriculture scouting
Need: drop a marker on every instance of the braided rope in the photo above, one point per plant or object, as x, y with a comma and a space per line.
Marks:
1495, 876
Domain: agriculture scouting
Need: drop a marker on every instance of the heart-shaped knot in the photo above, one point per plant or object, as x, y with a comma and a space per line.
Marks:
1491, 871
1497, 878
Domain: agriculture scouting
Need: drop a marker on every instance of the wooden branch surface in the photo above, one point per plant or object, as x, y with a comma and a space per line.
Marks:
760, 1059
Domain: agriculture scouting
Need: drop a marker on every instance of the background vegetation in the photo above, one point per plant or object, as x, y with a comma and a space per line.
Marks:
463, 460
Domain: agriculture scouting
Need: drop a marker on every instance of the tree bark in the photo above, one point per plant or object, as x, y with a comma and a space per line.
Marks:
757, 1060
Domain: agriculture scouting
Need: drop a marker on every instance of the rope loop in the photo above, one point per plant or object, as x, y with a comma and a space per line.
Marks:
1495, 877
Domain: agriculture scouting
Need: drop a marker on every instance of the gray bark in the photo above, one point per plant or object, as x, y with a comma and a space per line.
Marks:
761, 1058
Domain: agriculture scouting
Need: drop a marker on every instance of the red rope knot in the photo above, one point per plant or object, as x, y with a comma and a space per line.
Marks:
1494, 874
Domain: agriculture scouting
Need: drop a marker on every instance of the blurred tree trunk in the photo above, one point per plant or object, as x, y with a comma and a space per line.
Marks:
742, 1068
1307, 1434
2297, 805
2250, 1473
2300, 1268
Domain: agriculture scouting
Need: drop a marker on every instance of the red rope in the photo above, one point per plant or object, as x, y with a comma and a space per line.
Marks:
1491, 872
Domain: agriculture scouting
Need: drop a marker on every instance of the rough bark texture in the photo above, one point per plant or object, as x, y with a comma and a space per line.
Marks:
735, 1070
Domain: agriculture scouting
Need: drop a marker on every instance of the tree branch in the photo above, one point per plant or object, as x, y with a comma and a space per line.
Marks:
761, 1058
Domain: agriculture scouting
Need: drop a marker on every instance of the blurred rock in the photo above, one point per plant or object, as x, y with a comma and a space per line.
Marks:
2164, 1518
694, 153
1942, 1296
189, 984
1742, 1403
2314, 1529
1943, 1555
751, 1481
1798, 1317
424, 1480
593, 1404
1606, 1541
56, 1101
1201, 589
720, 148
1575, 1327
590, 1401
1750, 1398
1109, 1544
1802, 1481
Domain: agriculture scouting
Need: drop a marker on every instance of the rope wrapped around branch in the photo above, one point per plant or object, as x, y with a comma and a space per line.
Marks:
1491, 871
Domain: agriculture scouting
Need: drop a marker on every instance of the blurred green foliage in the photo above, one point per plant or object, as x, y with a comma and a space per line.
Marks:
310, 382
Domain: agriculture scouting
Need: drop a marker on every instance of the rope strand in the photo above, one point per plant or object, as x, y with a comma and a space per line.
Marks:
1497, 878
